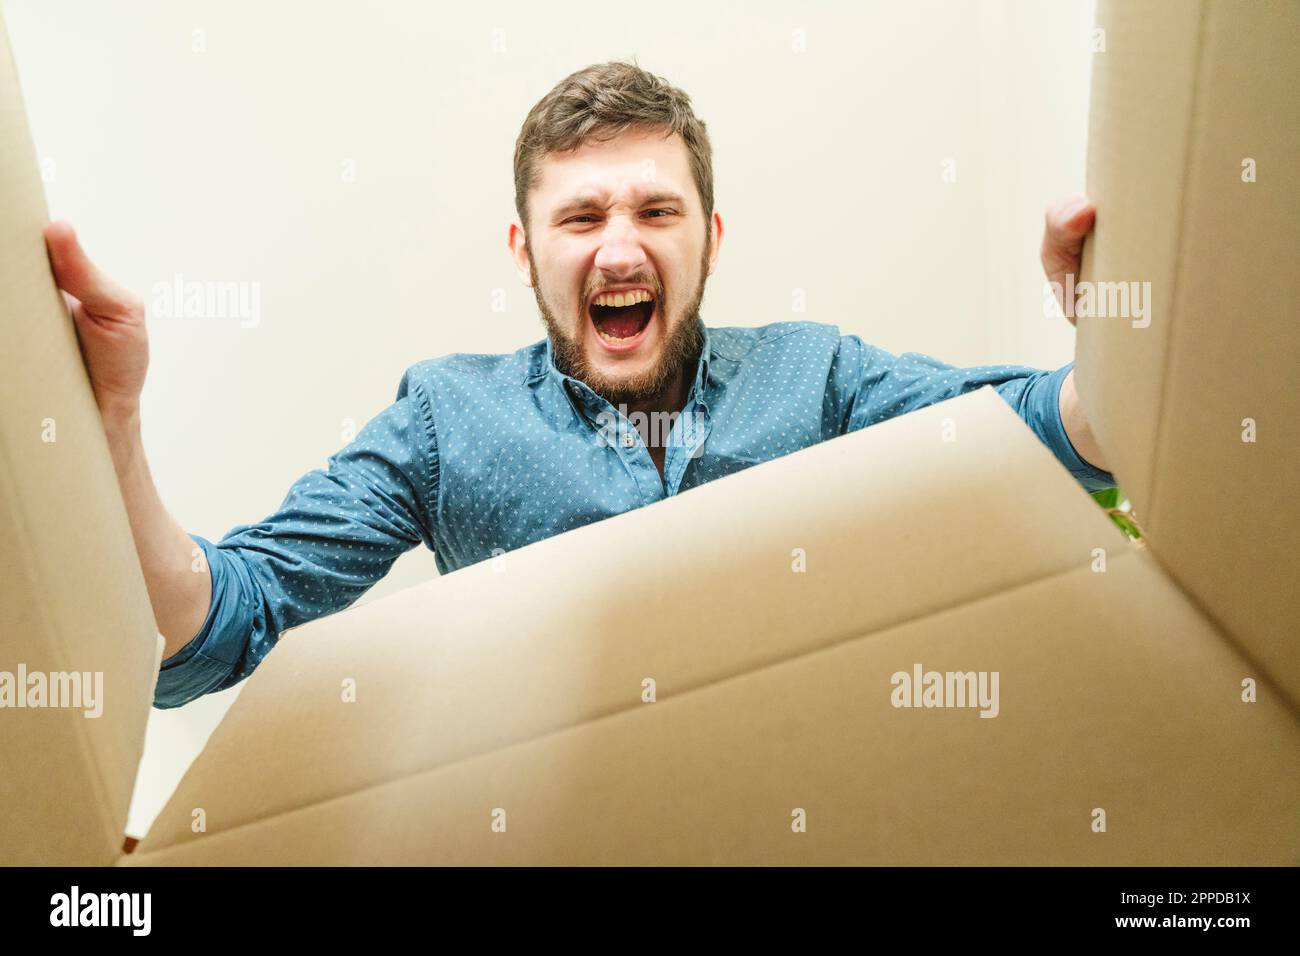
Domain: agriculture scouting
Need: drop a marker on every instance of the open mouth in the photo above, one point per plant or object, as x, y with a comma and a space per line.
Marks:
620, 319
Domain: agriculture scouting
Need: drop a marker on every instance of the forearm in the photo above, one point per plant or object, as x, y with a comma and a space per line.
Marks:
180, 593
1076, 426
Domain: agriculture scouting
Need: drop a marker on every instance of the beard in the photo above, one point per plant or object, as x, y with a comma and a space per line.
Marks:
683, 340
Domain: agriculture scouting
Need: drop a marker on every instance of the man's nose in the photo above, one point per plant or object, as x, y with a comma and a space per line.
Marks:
620, 249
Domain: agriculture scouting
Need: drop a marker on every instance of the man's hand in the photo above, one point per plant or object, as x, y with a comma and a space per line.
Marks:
1068, 222
110, 328
109, 321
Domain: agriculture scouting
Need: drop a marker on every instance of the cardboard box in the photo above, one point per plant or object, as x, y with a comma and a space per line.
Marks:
1192, 161
72, 596
667, 687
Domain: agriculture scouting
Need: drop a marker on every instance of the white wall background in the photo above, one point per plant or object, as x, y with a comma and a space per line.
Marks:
225, 163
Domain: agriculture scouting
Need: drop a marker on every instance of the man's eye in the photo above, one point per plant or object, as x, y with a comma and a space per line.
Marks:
583, 219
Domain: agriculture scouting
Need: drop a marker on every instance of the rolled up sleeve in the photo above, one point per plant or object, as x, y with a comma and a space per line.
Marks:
1037, 399
337, 532
206, 661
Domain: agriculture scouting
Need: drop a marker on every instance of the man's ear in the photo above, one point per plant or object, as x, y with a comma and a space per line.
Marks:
518, 243
715, 240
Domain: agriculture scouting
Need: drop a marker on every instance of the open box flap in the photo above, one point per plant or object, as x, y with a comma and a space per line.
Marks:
1120, 737
72, 596
921, 513
1196, 404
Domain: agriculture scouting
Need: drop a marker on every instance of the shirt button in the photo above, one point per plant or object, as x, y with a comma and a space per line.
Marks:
628, 440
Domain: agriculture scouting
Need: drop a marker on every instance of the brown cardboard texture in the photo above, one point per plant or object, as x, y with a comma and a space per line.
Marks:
719, 677
512, 689
72, 596
1192, 164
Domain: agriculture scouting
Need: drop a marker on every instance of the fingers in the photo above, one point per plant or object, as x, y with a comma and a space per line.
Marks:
77, 276
1069, 221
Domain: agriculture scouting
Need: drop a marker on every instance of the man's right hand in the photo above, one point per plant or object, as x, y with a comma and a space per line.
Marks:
109, 321
115, 349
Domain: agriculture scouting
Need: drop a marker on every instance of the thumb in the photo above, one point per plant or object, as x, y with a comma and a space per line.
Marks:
76, 275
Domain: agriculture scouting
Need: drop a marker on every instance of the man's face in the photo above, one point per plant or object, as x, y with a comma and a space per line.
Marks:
625, 216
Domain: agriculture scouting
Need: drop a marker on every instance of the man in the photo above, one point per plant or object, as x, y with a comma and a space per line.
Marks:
628, 400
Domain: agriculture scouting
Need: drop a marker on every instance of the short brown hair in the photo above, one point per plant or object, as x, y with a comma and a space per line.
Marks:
599, 103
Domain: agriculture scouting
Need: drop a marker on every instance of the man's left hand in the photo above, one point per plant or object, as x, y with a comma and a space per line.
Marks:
1068, 222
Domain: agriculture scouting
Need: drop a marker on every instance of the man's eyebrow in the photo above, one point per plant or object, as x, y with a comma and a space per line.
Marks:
586, 201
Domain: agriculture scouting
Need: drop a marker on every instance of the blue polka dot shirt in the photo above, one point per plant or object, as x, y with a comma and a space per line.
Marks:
482, 454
